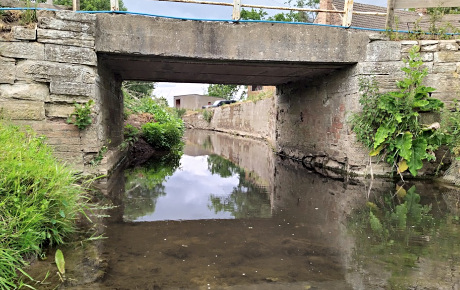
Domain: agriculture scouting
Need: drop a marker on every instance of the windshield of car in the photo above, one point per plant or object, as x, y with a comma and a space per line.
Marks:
216, 103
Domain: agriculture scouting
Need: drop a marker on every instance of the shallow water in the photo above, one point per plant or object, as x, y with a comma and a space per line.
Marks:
229, 214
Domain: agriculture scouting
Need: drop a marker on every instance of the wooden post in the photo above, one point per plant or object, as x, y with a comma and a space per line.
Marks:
347, 17
236, 10
114, 5
75, 5
390, 14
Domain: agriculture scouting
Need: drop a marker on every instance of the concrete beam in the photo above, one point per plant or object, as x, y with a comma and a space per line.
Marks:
158, 49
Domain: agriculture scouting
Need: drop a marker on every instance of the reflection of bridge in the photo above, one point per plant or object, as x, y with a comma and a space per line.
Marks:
73, 57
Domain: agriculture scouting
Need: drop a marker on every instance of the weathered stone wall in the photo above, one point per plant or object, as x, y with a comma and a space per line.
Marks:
47, 67
254, 119
312, 117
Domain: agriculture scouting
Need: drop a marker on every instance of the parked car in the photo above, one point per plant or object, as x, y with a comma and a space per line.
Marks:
219, 103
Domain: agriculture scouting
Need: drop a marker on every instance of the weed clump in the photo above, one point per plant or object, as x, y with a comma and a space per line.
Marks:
39, 200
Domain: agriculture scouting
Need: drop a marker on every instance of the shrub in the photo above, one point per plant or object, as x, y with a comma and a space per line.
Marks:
162, 136
207, 115
389, 123
39, 200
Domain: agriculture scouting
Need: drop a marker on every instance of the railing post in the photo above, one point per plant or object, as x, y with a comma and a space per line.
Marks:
348, 15
75, 5
236, 10
114, 6
390, 14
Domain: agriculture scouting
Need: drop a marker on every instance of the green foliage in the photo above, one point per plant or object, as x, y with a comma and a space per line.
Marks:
39, 200
291, 16
162, 136
223, 91
92, 5
131, 135
167, 130
139, 89
99, 156
389, 123
450, 125
60, 261
29, 16
253, 14
145, 184
246, 200
395, 216
81, 116
180, 112
207, 115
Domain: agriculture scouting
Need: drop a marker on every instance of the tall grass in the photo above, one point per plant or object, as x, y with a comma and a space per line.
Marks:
39, 200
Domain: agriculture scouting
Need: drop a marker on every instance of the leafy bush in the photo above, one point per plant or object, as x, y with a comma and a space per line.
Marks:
39, 201
207, 115
130, 134
389, 123
81, 116
162, 136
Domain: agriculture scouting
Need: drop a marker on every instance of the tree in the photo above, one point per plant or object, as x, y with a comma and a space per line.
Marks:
91, 5
223, 91
291, 16
139, 89
253, 14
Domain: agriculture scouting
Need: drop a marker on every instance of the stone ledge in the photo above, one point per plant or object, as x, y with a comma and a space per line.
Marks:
70, 54
65, 38
24, 33
24, 91
23, 50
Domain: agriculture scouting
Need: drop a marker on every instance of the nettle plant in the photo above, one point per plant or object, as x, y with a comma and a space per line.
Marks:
389, 124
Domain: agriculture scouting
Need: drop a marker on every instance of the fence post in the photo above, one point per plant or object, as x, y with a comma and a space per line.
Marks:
390, 14
75, 5
114, 6
347, 17
236, 10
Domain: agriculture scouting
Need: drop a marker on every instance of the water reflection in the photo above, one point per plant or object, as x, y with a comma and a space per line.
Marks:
300, 231
190, 188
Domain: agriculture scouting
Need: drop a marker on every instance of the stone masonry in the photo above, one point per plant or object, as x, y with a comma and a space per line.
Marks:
46, 68
312, 117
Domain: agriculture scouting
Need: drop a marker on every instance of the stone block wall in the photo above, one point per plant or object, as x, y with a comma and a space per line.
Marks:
48, 66
254, 119
313, 117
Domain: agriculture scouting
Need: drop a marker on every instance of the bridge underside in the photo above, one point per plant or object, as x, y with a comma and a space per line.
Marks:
160, 69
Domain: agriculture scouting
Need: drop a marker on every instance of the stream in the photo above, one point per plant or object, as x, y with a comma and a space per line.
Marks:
229, 214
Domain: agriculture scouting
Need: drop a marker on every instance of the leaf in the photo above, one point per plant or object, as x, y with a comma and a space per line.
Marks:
404, 144
402, 166
382, 134
60, 262
418, 154
62, 213
376, 151
400, 191
420, 103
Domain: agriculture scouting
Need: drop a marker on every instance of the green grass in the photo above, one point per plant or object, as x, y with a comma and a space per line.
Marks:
39, 200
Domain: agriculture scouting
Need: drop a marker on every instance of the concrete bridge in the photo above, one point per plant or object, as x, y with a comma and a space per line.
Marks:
71, 57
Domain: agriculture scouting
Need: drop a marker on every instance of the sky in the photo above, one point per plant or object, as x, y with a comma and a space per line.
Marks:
199, 11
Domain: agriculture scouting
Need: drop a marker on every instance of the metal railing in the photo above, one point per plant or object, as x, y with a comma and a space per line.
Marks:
237, 5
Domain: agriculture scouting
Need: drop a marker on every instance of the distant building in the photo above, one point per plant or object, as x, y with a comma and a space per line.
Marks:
193, 101
256, 90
